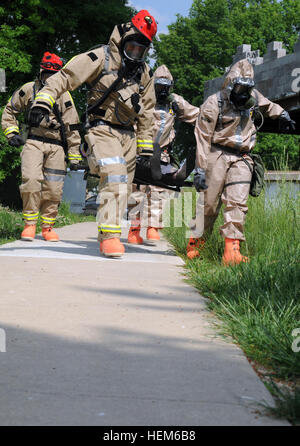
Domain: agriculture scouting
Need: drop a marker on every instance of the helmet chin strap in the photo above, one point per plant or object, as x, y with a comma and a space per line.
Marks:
42, 79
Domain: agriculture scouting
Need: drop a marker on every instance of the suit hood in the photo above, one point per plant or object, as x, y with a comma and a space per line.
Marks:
241, 69
120, 33
163, 72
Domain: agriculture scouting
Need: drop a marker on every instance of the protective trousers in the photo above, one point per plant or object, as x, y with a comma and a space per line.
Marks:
112, 155
228, 180
43, 171
147, 205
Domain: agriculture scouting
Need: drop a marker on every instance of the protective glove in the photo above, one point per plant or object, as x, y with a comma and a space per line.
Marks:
144, 161
286, 124
147, 168
199, 180
16, 141
36, 115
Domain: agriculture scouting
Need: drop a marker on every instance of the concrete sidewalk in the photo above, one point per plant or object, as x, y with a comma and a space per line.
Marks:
125, 342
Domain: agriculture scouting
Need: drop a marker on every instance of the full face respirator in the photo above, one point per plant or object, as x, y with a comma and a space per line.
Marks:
241, 94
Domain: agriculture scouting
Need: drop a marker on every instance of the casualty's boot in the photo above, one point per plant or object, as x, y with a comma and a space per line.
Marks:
194, 246
112, 247
28, 233
134, 234
232, 255
152, 235
49, 234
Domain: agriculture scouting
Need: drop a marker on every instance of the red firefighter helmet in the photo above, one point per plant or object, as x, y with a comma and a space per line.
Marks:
51, 62
145, 23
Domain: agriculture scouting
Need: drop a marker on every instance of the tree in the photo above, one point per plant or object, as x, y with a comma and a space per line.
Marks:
28, 28
209, 36
31, 27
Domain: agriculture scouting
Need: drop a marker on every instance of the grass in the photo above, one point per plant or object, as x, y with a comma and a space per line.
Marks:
258, 303
11, 223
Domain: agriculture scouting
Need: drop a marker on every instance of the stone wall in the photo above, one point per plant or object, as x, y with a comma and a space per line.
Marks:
273, 185
277, 75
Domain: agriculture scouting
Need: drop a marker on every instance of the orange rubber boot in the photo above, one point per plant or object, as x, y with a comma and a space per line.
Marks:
112, 247
28, 233
49, 235
194, 246
134, 236
232, 255
152, 235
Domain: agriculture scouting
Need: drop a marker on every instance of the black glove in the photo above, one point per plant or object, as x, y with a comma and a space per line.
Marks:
148, 168
36, 115
199, 180
143, 169
286, 124
144, 161
16, 141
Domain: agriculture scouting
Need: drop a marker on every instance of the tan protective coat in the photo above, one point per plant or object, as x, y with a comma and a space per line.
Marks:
164, 114
42, 164
237, 132
112, 151
22, 100
88, 67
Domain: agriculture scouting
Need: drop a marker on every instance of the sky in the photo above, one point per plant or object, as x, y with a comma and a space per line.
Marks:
164, 11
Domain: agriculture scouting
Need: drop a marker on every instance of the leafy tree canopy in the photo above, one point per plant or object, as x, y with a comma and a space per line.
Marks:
209, 36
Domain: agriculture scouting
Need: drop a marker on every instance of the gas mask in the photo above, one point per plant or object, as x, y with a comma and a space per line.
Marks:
162, 89
135, 49
241, 94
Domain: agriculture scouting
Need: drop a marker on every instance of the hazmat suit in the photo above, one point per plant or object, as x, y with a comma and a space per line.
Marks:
121, 124
45, 151
150, 200
225, 135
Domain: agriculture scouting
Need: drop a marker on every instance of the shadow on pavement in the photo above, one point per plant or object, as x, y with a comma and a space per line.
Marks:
121, 377
85, 248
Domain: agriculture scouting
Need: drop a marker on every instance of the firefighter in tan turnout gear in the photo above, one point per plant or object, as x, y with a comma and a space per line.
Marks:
119, 116
225, 135
152, 199
43, 157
